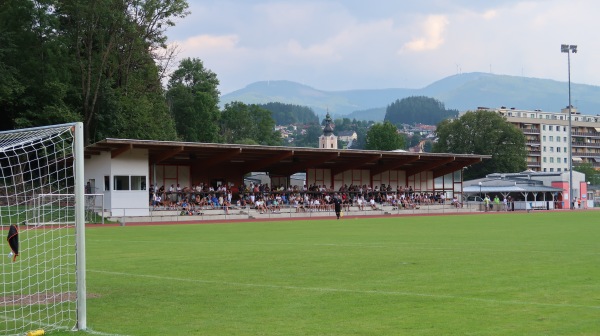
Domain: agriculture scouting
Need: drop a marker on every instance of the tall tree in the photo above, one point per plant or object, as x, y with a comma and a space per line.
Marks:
486, 133
33, 80
194, 100
241, 123
384, 136
109, 40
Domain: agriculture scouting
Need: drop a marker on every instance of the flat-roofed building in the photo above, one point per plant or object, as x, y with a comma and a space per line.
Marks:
547, 137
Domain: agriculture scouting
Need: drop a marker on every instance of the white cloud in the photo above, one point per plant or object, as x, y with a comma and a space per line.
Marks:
335, 45
432, 34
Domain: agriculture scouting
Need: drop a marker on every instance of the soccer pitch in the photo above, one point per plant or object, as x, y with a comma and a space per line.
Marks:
489, 274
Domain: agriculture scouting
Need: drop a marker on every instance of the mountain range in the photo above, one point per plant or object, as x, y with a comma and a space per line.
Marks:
462, 92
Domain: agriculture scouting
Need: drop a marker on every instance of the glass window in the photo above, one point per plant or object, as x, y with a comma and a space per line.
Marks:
551, 149
138, 182
551, 159
558, 149
550, 128
544, 148
106, 182
551, 169
543, 138
551, 138
565, 160
544, 127
121, 182
544, 159
557, 139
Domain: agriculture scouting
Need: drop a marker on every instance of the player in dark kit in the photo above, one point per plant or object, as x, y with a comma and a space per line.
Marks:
337, 204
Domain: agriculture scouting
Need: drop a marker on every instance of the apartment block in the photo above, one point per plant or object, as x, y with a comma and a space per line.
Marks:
547, 137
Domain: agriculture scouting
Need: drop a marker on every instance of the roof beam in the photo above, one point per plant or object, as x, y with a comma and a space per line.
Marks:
454, 167
168, 154
118, 151
222, 157
393, 165
354, 165
302, 166
429, 166
261, 164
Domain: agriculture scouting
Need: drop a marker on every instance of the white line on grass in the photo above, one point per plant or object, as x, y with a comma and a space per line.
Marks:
375, 245
343, 290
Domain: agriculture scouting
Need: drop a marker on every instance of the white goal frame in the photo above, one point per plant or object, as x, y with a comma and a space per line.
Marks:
27, 305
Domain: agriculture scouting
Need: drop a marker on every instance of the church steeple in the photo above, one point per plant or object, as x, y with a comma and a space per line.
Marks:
328, 139
328, 130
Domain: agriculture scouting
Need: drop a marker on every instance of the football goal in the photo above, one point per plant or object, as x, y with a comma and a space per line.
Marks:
42, 214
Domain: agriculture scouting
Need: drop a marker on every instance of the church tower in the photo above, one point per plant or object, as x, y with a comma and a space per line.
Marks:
328, 140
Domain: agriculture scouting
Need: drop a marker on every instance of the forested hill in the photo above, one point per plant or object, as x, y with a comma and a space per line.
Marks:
461, 92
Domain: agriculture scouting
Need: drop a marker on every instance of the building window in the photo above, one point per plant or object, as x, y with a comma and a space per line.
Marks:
544, 170
551, 169
558, 149
551, 149
544, 148
557, 139
550, 128
138, 182
565, 139
558, 169
543, 138
107, 183
544, 127
551, 138
121, 182
544, 159
565, 160
565, 149
125, 182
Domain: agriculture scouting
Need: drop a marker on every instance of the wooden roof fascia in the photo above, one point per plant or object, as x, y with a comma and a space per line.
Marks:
354, 165
258, 166
393, 165
168, 154
429, 166
223, 157
302, 166
120, 150
454, 167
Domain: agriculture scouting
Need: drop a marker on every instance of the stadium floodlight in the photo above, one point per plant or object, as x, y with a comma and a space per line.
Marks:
44, 281
568, 49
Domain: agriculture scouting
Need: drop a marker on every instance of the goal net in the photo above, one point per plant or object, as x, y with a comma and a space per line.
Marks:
43, 267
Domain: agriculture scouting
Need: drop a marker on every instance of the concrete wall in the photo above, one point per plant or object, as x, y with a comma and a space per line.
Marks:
102, 168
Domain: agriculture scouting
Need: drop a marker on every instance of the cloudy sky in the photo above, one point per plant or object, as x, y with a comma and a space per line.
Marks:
360, 44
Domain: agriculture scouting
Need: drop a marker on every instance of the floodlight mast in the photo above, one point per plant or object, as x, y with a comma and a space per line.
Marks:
568, 49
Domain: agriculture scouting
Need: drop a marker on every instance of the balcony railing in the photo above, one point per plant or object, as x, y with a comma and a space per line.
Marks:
530, 130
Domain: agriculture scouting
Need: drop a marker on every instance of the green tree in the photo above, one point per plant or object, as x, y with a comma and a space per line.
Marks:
194, 98
109, 42
34, 84
591, 174
417, 109
384, 136
241, 123
309, 136
485, 133
287, 114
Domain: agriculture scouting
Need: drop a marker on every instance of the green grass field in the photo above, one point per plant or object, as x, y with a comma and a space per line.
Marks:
492, 274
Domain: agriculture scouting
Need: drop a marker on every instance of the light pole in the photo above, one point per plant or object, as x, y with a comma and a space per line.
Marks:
568, 49
480, 190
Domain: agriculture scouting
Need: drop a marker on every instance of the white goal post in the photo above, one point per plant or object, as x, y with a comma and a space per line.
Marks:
42, 182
